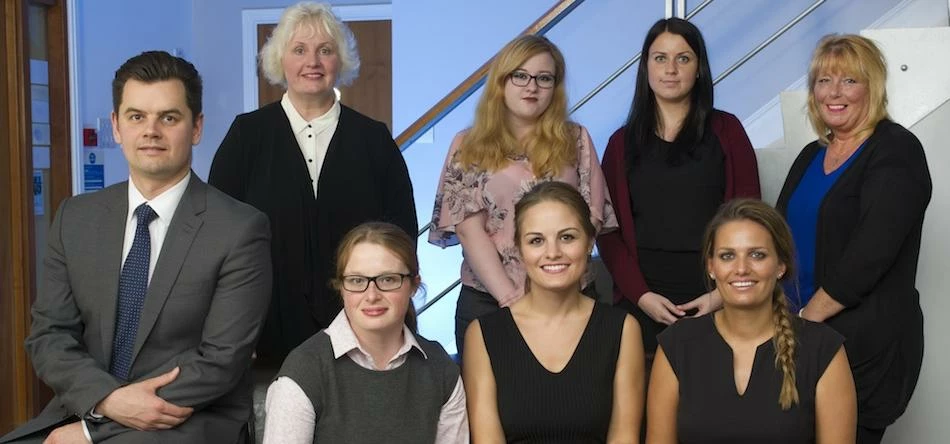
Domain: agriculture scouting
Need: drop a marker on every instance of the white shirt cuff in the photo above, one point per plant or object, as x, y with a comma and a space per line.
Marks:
85, 429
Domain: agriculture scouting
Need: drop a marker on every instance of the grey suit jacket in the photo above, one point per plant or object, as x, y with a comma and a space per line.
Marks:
203, 312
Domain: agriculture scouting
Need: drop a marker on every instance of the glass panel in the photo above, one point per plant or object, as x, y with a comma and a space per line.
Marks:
39, 92
40, 132
40, 97
437, 323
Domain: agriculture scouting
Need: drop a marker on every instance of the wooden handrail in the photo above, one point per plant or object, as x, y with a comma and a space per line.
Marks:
475, 81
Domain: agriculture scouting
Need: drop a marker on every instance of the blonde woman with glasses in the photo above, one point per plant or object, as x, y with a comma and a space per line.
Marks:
520, 137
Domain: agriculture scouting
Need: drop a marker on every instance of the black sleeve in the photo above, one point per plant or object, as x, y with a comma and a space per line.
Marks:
399, 202
228, 169
894, 193
818, 344
672, 340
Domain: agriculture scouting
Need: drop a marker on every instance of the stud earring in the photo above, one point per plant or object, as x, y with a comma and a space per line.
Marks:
712, 276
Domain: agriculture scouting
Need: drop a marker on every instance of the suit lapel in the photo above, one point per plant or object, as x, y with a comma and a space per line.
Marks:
110, 236
181, 233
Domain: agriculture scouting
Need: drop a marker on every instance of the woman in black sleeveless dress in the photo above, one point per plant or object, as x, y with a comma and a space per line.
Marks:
555, 366
751, 372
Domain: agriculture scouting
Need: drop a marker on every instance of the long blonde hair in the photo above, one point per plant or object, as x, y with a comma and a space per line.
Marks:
489, 144
783, 340
855, 56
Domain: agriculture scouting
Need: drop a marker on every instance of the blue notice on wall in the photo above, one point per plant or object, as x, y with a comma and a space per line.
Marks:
38, 192
94, 177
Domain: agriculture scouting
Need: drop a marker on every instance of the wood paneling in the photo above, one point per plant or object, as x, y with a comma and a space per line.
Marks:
16, 206
22, 395
61, 184
372, 92
266, 93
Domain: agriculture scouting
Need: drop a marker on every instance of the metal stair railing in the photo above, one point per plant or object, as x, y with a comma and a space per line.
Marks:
477, 79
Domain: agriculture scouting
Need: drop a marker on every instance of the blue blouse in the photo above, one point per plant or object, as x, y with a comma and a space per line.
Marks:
802, 217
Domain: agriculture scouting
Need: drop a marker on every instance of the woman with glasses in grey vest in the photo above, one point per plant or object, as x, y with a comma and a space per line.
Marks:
369, 377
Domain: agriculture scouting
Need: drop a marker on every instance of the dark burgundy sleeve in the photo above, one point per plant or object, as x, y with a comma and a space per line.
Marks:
618, 248
742, 169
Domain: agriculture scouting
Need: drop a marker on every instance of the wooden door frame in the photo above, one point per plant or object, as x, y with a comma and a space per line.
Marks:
16, 231
24, 393
250, 18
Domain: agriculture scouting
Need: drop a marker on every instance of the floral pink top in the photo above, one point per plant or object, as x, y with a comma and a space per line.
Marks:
463, 192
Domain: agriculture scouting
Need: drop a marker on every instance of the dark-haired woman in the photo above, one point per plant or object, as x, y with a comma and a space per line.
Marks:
668, 169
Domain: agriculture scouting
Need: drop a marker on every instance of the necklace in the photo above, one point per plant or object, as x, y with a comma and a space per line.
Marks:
837, 154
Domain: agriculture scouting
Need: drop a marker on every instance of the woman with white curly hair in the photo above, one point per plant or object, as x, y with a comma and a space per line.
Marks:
316, 167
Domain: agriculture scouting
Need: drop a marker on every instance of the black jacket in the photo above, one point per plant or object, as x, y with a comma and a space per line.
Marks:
867, 246
363, 178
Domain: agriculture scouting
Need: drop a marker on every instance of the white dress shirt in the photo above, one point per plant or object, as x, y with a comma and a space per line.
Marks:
312, 136
164, 206
290, 414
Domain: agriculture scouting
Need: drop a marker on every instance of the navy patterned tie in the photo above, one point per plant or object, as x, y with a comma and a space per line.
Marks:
133, 283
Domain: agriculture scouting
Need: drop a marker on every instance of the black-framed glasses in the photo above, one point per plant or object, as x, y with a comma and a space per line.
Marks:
522, 78
384, 282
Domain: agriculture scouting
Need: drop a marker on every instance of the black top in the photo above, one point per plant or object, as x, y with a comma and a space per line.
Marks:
573, 406
364, 178
710, 408
671, 204
866, 250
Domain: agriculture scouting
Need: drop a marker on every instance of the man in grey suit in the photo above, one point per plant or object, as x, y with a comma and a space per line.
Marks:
155, 289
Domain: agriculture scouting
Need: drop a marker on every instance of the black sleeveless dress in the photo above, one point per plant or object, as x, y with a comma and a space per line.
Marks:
572, 406
710, 408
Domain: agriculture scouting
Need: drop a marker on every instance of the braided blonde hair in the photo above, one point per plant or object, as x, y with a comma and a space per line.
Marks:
785, 346
784, 324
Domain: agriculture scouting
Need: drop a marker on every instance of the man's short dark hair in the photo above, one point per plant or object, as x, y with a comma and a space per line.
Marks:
155, 66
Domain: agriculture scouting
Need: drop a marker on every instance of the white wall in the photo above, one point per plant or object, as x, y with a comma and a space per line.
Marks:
109, 32
926, 418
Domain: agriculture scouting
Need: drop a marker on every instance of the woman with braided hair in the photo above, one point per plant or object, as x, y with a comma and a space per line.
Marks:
751, 372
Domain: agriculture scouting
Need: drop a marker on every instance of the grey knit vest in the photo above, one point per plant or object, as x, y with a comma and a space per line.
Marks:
358, 405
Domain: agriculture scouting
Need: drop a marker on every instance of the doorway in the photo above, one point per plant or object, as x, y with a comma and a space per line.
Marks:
35, 176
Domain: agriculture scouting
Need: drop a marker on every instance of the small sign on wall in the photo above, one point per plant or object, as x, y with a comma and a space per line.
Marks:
93, 172
38, 192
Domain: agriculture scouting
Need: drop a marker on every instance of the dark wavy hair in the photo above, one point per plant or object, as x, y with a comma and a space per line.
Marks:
641, 124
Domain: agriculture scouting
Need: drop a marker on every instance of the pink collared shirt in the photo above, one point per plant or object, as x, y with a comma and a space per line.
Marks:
290, 414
